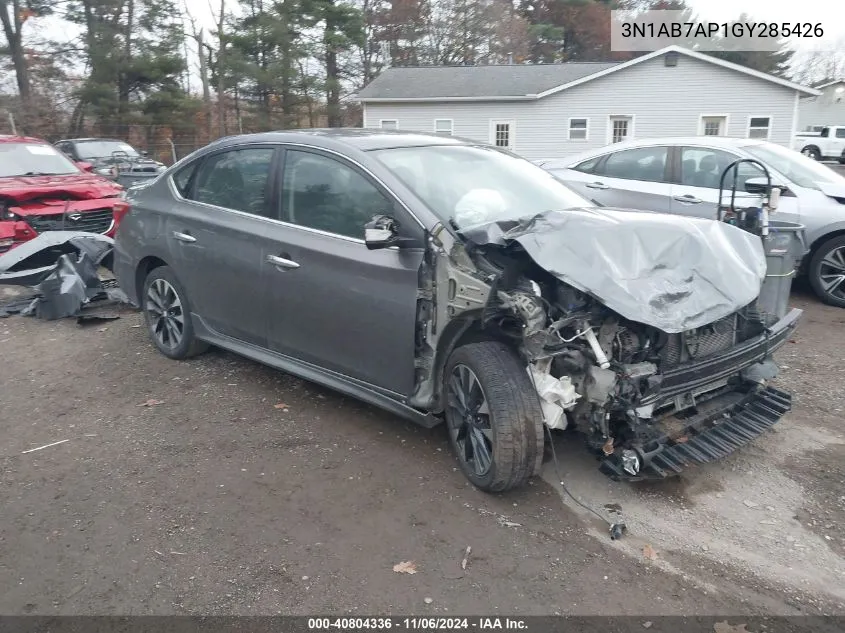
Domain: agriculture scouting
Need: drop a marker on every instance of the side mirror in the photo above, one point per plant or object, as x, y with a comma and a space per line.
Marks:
758, 186
84, 166
383, 232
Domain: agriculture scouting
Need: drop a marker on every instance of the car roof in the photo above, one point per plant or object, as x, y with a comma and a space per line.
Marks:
363, 139
91, 138
724, 142
11, 138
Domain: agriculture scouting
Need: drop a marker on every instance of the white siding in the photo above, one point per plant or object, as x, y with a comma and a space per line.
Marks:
828, 109
664, 101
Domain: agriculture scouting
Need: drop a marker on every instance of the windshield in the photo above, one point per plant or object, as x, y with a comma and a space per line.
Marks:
103, 149
33, 159
478, 185
803, 171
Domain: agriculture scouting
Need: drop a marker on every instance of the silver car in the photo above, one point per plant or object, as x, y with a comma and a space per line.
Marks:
682, 176
448, 281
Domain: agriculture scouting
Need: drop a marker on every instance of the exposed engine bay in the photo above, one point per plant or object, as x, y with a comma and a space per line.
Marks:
649, 402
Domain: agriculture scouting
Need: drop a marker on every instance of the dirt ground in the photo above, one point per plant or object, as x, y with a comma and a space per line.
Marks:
241, 490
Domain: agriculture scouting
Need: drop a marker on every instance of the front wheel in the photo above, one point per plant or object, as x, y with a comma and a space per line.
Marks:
827, 272
493, 416
812, 152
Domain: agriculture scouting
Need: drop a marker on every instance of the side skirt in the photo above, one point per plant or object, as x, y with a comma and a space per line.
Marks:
333, 380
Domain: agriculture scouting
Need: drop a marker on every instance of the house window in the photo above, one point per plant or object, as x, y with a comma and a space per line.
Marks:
389, 124
578, 129
620, 128
443, 126
758, 127
502, 133
714, 125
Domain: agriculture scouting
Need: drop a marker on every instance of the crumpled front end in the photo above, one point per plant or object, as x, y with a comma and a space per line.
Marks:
656, 381
24, 221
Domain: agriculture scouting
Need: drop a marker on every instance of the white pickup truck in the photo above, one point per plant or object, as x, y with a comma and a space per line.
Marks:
827, 144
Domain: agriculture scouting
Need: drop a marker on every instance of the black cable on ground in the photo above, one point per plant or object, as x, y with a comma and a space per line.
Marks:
617, 529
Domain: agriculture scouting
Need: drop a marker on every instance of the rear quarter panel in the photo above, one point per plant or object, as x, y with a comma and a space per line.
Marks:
140, 235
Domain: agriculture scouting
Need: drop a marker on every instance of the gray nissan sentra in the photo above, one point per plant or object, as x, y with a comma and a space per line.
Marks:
446, 280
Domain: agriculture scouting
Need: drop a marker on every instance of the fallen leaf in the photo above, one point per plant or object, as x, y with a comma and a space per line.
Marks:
649, 552
646, 625
466, 557
151, 403
681, 440
724, 627
281, 405
407, 567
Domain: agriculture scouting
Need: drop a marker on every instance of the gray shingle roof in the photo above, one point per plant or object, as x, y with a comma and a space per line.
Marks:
439, 82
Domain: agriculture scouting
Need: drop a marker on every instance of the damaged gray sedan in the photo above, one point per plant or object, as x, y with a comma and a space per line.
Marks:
447, 281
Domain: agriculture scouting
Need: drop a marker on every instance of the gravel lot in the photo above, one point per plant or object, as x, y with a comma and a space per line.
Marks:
214, 499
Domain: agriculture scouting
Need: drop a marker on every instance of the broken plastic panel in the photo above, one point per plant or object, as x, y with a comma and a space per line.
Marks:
34, 260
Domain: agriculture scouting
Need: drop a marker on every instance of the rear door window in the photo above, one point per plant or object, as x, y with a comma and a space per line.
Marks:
641, 163
237, 179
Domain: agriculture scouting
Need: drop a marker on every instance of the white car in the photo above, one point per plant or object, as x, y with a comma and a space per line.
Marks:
682, 176
826, 144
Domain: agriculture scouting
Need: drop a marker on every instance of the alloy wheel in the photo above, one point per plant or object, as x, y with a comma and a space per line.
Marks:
167, 321
468, 418
832, 273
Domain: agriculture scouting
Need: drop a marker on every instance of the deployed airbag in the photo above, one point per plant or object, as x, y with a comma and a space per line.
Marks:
672, 272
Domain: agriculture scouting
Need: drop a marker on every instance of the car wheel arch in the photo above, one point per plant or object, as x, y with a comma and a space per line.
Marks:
145, 266
457, 333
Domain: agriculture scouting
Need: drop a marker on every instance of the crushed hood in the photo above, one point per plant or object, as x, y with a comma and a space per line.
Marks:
672, 272
80, 186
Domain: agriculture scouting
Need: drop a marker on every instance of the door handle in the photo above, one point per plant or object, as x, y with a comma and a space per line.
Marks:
597, 185
184, 237
688, 199
281, 262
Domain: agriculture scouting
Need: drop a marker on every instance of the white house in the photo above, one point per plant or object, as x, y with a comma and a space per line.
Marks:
828, 108
551, 110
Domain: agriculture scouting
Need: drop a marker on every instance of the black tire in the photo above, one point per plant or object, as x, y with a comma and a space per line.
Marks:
834, 247
514, 421
187, 345
812, 151
842, 159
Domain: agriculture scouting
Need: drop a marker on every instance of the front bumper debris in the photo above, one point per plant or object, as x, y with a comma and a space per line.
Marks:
724, 423
709, 438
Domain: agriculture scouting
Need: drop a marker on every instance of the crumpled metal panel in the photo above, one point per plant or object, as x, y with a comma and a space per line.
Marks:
672, 272
73, 283
35, 259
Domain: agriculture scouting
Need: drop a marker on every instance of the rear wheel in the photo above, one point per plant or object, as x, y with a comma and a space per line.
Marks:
812, 151
493, 416
168, 315
827, 272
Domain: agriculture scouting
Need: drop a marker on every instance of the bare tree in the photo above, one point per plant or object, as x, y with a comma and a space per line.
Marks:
13, 14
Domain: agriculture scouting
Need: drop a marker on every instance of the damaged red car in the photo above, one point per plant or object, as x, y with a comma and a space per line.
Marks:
42, 190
